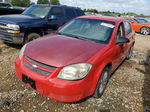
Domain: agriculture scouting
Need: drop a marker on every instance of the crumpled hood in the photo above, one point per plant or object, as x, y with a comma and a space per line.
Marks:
18, 19
59, 51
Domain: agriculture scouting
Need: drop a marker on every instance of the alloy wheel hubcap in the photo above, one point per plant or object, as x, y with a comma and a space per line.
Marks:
145, 31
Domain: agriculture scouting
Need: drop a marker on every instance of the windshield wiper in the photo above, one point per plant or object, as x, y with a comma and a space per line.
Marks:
74, 36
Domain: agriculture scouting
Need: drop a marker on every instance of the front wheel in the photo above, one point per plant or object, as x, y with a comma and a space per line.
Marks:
30, 37
101, 85
145, 31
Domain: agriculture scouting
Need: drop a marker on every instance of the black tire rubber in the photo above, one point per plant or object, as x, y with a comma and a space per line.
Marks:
30, 37
97, 93
145, 30
129, 56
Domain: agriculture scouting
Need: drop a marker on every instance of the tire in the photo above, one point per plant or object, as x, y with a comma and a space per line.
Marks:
129, 56
30, 37
102, 83
145, 31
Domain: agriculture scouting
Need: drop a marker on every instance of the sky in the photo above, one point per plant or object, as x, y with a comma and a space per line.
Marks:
137, 6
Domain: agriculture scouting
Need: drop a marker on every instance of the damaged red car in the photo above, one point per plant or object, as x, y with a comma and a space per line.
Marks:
78, 60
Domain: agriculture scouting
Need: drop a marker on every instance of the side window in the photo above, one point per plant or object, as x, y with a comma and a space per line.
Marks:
120, 32
128, 28
70, 13
57, 11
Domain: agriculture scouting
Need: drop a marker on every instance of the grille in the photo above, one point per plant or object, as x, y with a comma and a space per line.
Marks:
36, 69
2, 24
43, 72
3, 30
40, 64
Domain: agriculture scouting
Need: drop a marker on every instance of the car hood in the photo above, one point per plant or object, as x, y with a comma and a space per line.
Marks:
18, 19
59, 51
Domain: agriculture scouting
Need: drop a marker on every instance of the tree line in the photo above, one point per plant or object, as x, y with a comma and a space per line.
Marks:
112, 12
27, 3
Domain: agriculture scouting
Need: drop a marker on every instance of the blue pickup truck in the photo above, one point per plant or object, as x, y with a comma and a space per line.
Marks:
35, 21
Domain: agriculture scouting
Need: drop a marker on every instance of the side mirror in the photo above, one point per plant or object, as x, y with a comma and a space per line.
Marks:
122, 40
52, 17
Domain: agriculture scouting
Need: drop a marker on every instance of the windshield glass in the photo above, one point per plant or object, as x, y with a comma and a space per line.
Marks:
141, 20
37, 11
90, 29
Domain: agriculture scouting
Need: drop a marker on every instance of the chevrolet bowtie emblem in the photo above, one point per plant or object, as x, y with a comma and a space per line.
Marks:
35, 66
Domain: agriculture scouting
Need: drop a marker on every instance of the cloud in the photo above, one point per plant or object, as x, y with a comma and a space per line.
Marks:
137, 6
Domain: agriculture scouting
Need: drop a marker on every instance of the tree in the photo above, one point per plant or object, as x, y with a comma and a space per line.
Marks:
21, 3
54, 2
43, 2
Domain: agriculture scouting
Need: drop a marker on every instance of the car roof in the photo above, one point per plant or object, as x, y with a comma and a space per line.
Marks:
127, 17
107, 18
55, 6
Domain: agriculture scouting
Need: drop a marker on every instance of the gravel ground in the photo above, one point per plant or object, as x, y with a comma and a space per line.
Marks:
128, 89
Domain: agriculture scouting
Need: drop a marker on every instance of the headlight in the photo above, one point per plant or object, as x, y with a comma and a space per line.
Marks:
22, 51
75, 71
13, 26
13, 31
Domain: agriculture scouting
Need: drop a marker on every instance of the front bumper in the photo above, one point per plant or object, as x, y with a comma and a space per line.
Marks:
12, 38
52, 87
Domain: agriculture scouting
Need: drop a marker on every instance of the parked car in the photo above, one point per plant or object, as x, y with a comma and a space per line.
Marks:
112, 15
77, 60
7, 8
145, 18
139, 25
36, 21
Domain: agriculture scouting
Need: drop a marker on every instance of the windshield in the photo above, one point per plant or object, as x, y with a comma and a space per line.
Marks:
37, 11
141, 20
89, 29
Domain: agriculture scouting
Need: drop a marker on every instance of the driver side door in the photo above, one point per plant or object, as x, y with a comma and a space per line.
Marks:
55, 18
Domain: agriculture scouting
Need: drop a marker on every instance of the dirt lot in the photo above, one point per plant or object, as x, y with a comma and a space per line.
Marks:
128, 89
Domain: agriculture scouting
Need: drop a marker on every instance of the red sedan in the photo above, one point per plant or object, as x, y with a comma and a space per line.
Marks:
76, 61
